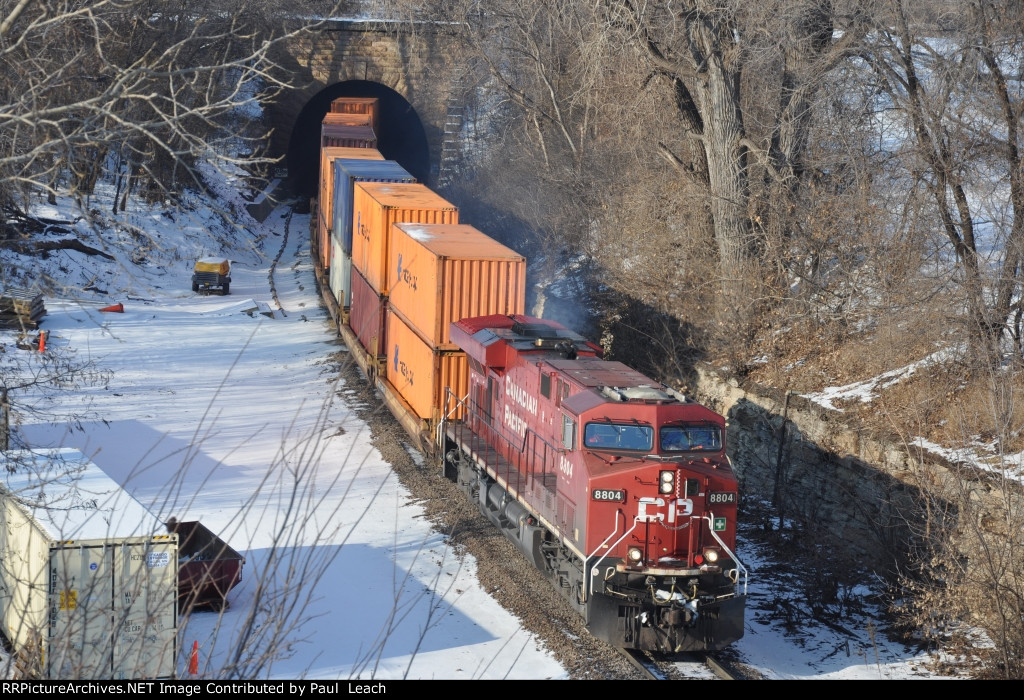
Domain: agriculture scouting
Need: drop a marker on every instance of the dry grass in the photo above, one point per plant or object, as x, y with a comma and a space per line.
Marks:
948, 400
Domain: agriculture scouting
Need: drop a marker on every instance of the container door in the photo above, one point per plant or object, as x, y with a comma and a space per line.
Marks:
80, 616
146, 610
113, 610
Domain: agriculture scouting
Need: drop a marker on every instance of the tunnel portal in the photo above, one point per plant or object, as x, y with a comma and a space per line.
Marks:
402, 137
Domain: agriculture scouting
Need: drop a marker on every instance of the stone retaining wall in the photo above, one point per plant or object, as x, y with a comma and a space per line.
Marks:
856, 488
261, 207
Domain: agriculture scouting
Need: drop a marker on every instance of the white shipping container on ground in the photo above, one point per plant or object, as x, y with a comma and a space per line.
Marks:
88, 576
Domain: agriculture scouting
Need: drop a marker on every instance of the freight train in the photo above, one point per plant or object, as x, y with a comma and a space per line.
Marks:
615, 487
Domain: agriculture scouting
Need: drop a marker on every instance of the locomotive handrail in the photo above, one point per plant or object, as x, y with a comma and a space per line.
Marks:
518, 453
711, 528
446, 415
597, 563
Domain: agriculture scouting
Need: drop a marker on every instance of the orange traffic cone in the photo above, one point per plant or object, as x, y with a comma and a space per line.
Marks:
193, 662
116, 308
42, 341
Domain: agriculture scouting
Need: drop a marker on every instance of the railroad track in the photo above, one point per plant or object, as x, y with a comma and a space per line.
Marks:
644, 664
695, 666
723, 669
277, 259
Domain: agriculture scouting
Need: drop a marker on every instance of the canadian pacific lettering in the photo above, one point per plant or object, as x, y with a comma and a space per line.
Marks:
521, 396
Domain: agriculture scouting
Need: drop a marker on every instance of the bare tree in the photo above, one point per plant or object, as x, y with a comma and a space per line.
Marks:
541, 108
963, 114
715, 59
137, 88
966, 585
138, 91
657, 132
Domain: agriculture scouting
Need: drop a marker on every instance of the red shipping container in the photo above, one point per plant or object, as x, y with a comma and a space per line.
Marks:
378, 205
441, 273
366, 315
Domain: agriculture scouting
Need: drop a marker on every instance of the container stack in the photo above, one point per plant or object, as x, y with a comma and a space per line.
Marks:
351, 123
376, 206
325, 198
346, 173
439, 274
21, 309
347, 131
359, 105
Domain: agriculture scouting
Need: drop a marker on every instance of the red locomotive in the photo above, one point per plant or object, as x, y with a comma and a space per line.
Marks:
616, 488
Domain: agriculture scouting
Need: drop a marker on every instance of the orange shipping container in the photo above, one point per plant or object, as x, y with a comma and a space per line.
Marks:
441, 273
378, 205
346, 119
325, 197
358, 105
420, 373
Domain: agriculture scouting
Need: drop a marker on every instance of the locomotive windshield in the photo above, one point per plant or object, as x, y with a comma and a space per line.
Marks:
618, 436
690, 438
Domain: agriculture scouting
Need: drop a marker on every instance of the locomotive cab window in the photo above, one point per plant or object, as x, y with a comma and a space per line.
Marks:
561, 390
545, 385
619, 436
690, 438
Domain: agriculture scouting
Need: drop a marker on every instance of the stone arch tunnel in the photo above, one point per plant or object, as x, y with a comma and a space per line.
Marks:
412, 73
401, 136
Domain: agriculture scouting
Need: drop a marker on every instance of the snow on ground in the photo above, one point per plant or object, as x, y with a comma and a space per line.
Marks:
227, 410
212, 411
843, 640
867, 390
980, 454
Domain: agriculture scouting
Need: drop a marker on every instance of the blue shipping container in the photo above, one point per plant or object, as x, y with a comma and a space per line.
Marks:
348, 171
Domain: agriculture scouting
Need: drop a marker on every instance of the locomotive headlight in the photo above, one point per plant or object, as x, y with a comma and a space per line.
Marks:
634, 554
667, 482
711, 555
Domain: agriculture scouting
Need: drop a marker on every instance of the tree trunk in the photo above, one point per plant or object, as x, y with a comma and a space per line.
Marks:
717, 89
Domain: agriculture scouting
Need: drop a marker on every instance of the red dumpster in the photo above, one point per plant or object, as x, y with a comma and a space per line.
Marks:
207, 566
